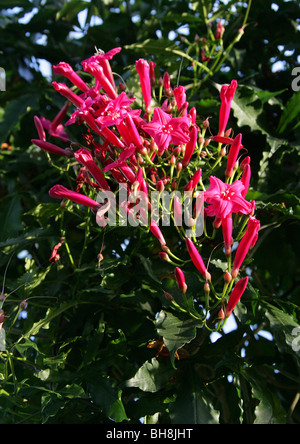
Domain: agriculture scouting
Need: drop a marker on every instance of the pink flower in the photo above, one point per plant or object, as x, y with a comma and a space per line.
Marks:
84, 156
226, 94
143, 70
180, 279
197, 259
66, 70
115, 112
247, 242
233, 155
122, 165
224, 199
51, 148
236, 295
166, 129
190, 146
61, 192
102, 59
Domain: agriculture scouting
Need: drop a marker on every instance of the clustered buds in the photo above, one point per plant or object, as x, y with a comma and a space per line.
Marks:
160, 147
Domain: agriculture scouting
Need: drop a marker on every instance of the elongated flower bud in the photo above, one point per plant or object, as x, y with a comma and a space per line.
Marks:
51, 148
197, 259
99, 74
40, 128
245, 179
66, 70
190, 147
61, 192
180, 279
226, 94
247, 240
84, 156
233, 155
236, 295
155, 230
65, 91
143, 70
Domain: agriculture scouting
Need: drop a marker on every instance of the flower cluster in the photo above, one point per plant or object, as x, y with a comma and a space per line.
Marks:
161, 146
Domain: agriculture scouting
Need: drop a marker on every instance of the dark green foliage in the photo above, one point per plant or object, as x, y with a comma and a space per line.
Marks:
86, 349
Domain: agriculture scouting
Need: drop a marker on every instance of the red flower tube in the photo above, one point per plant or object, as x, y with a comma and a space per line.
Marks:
84, 156
65, 91
180, 279
61, 192
227, 233
226, 94
233, 155
143, 70
190, 147
245, 244
236, 295
197, 259
66, 70
51, 148
155, 230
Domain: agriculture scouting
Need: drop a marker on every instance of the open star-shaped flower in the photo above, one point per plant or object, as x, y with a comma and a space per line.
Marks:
226, 198
166, 129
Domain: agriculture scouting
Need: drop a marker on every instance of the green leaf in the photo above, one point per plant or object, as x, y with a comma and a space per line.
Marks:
291, 112
269, 410
191, 405
286, 331
176, 330
151, 376
71, 9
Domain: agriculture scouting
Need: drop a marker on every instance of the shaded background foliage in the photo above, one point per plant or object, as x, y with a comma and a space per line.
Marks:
78, 352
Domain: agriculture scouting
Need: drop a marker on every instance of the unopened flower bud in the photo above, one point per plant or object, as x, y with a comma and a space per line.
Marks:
227, 277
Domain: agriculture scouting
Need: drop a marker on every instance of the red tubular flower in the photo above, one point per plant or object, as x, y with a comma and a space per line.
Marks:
167, 84
51, 148
180, 279
245, 179
180, 96
190, 146
98, 72
66, 70
245, 244
226, 94
155, 230
84, 156
102, 59
61, 192
65, 91
197, 259
191, 185
236, 295
40, 128
233, 155
227, 233
152, 73
143, 70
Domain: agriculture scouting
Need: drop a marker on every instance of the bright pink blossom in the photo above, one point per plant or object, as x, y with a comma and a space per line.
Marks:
226, 94
165, 129
225, 198
197, 259
247, 242
115, 112
61, 192
236, 295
